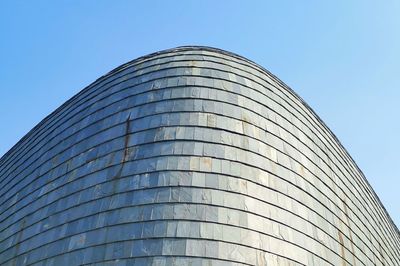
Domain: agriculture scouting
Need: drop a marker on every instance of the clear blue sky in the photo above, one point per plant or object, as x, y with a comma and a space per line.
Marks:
342, 57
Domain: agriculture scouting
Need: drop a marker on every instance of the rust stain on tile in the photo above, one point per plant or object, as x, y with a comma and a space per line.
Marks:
342, 252
126, 139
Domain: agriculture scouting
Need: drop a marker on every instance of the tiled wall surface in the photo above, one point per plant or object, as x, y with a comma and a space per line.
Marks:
190, 156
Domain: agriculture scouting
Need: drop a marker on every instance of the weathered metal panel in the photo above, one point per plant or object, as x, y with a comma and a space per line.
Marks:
189, 156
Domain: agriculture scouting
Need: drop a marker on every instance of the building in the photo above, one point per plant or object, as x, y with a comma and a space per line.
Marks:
189, 156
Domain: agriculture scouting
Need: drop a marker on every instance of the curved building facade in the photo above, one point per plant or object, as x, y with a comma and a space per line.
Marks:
189, 156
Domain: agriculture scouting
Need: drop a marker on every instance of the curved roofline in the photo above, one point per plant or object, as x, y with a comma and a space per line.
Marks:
283, 84
221, 51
